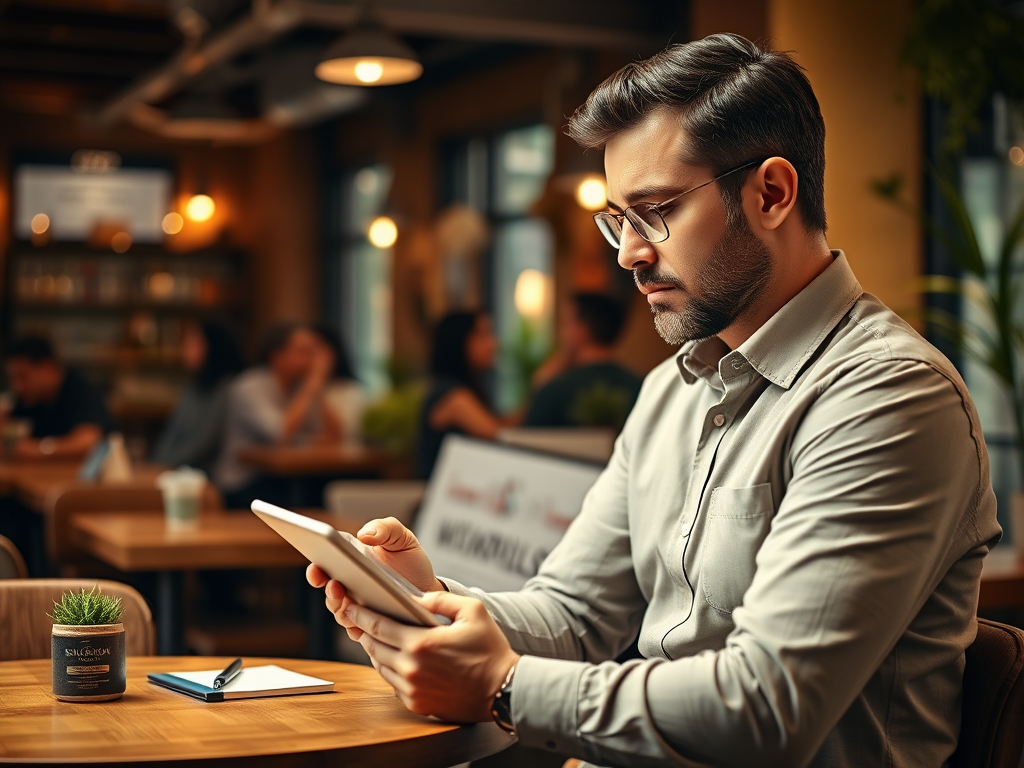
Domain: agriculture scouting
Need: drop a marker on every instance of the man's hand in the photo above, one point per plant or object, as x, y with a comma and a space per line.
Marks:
450, 672
398, 548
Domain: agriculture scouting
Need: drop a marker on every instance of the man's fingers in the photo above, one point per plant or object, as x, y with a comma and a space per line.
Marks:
315, 576
334, 590
382, 653
396, 681
377, 626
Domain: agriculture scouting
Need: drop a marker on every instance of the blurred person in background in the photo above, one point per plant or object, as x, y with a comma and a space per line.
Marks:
67, 412
195, 430
583, 386
279, 402
463, 351
344, 394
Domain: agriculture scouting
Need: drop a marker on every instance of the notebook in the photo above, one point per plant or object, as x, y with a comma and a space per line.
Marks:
251, 683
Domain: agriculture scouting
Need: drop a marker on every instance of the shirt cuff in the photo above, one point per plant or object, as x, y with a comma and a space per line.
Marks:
545, 694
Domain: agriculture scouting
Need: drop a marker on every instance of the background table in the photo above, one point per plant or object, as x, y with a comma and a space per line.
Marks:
360, 725
142, 541
287, 461
1002, 580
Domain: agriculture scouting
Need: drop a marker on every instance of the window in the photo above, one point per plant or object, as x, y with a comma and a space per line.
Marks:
363, 277
502, 176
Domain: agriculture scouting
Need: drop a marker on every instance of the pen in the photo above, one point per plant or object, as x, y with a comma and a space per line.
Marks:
228, 674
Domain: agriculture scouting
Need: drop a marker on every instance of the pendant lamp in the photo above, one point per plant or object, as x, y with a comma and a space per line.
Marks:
369, 55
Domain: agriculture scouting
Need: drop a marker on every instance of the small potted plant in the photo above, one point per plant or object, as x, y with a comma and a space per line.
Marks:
88, 650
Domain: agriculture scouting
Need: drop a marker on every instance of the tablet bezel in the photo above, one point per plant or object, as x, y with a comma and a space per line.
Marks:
292, 527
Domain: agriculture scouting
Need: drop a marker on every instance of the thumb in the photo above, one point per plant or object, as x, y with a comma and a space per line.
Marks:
446, 604
388, 533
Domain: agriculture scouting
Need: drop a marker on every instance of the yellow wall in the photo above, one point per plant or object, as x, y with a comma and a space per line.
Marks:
873, 129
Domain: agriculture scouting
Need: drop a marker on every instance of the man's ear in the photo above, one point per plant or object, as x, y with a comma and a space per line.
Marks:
772, 192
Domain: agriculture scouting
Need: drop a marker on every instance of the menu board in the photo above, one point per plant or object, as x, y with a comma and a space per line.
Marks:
77, 200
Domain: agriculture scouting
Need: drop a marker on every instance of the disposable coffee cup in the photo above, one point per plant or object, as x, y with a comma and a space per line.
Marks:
183, 492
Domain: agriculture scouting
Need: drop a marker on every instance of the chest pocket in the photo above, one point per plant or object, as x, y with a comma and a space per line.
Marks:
738, 520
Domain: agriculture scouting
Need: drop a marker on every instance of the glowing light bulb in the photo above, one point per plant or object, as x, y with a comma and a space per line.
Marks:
531, 293
172, 223
200, 208
40, 223
121, 242
383, 232
369, 71
592, 194
1016, 156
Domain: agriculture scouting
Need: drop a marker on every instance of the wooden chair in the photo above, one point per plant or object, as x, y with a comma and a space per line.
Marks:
63, 502
12, 565
992, 731
25, 627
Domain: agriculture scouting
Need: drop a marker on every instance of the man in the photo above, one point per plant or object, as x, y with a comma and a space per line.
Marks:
583, 386
280, 402
67, 412
797, 510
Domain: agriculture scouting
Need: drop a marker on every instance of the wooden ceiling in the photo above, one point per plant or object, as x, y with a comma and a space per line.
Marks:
61, 57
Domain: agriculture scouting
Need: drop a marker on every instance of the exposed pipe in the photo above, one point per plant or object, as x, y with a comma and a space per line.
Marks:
270, 19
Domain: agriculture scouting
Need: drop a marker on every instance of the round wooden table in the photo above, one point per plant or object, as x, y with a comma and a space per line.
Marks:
360, 724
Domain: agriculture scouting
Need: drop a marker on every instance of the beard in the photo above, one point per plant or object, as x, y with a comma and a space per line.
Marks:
729, 282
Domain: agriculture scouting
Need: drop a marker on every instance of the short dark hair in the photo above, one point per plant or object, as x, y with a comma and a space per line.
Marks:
33, 348
448, 357
602, 315
342, 363
223, 356
737, 102
276, 338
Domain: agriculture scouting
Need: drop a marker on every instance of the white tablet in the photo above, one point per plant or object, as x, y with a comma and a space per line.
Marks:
344, 558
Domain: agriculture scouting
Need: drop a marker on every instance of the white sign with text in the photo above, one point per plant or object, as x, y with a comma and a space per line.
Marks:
492, 512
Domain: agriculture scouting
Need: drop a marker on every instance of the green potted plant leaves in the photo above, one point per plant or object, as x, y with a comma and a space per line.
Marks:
88, 648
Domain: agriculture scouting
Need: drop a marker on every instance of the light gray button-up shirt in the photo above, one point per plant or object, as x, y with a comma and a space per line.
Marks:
796, 528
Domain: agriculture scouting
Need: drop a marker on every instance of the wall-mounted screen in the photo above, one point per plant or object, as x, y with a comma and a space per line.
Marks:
77, 201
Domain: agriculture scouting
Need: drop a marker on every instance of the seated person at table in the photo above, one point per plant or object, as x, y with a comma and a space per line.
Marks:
194, 432
797, 511
344, 394
463, 351
583, 386
68, 414
279, 402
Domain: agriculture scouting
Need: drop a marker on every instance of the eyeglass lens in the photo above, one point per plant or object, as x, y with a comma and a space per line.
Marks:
647, 221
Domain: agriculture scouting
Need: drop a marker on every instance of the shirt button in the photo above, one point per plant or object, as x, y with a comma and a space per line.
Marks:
738, 365
719, 420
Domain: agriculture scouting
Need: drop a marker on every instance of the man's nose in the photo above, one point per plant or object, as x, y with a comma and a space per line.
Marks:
634, 251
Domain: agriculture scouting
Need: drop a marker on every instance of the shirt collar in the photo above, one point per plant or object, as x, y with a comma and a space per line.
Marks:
779, 349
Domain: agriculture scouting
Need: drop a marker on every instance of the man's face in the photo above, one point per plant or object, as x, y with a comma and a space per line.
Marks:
33, 383
707, 274
295, 359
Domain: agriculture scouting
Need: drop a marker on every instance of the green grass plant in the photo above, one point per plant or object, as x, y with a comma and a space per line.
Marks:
80, 609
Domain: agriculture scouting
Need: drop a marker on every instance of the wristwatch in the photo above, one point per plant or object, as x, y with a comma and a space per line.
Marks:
501, 705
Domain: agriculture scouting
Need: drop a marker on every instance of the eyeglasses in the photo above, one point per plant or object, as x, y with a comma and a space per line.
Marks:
647, 218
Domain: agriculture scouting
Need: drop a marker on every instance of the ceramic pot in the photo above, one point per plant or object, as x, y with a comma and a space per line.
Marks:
88, 662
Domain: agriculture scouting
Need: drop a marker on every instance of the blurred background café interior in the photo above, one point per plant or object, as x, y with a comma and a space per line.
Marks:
233, 226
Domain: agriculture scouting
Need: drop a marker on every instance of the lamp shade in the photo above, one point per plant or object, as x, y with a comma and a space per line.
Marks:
369, 55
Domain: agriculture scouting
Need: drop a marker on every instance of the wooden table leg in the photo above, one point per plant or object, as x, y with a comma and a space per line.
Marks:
170, 620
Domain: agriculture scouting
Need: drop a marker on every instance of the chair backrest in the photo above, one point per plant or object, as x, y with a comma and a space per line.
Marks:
12, 565
992, 730
365, 500
25, 627
64, 501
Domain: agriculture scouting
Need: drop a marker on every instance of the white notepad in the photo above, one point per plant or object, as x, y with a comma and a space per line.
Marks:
251, 682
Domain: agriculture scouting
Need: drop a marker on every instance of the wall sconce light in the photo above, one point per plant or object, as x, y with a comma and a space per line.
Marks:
592, 193
383, 232
200, 208
531, 294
